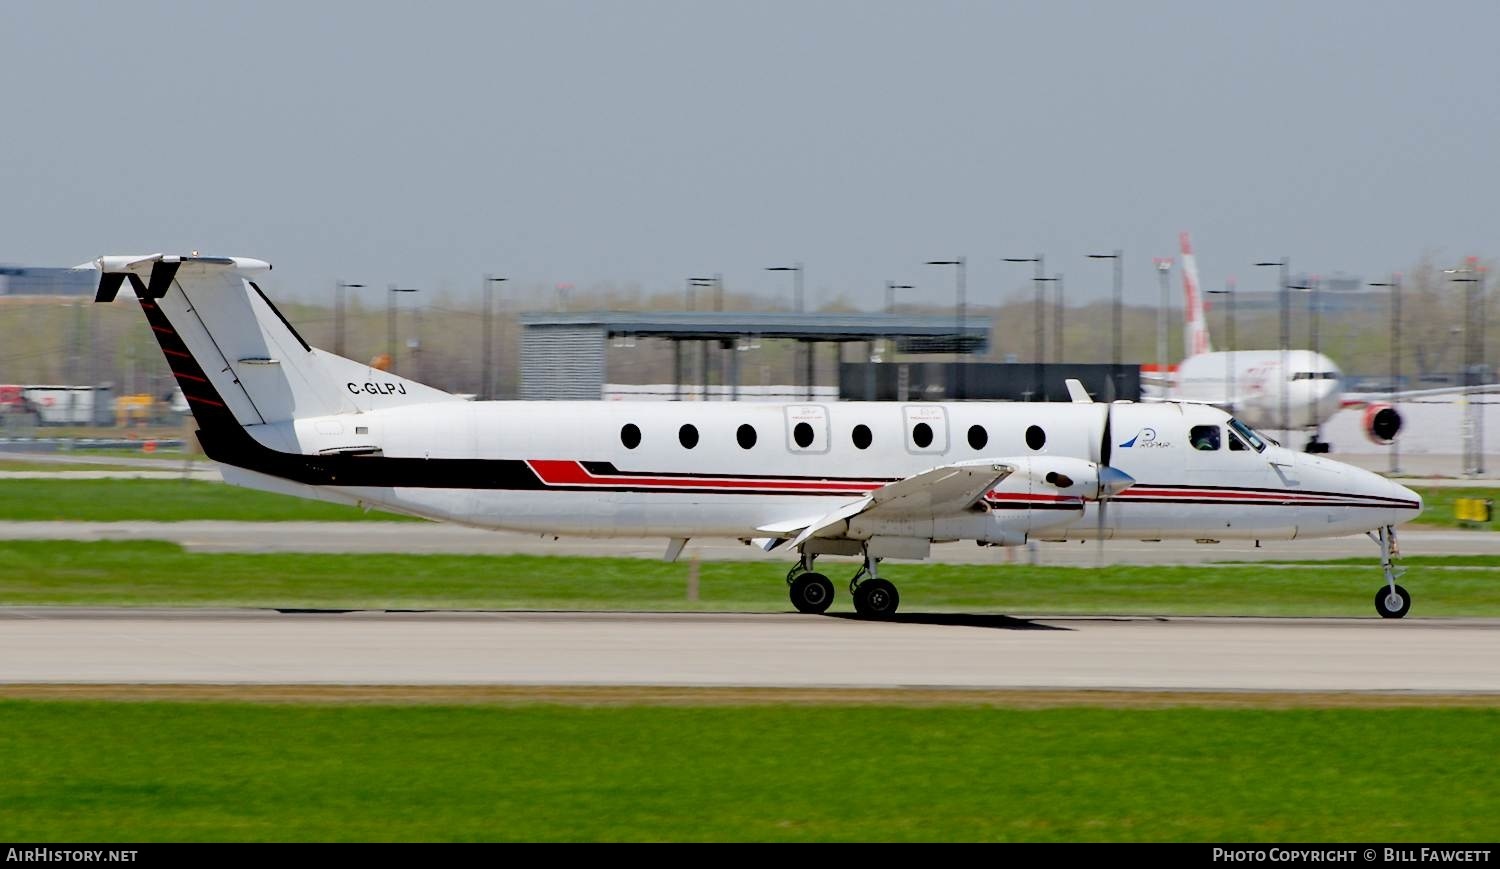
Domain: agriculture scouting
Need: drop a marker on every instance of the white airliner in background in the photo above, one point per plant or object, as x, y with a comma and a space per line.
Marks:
1253, 384
875, 480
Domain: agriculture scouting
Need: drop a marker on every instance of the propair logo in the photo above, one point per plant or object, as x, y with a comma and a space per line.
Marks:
1145, 439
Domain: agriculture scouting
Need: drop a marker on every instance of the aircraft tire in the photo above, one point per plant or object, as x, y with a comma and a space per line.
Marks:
811, 593
1383, 602
876, 599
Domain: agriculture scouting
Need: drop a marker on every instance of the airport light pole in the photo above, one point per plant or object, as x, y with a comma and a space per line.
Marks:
1039, 313
487, 378
692, 285
1228, 291
960, 290
1472, 275
1164, 277
890, 294
796, 270
1118, 325
1394, 284
390, 321
1286, 337
797, 305
1057, 321
338, 314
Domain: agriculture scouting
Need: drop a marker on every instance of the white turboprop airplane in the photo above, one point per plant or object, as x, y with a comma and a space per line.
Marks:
878, 480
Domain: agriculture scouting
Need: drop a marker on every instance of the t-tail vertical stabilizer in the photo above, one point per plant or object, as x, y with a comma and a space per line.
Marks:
239, 362
1195, 326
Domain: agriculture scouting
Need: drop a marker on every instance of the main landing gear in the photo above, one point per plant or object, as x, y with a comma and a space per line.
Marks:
812, 592
1393, 601
874, 598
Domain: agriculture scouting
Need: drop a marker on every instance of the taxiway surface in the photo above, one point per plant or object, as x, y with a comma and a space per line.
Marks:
77, 645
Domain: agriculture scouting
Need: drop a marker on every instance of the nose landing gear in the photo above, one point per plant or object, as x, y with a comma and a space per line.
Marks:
1393, 601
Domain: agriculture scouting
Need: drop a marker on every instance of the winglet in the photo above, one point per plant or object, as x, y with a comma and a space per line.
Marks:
1077, 393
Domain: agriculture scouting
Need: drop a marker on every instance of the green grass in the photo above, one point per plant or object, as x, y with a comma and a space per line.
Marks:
89, 771
162, 501
163, 574
1437, 506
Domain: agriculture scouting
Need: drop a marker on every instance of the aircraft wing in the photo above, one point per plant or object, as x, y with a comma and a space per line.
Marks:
940, 491
1360, 399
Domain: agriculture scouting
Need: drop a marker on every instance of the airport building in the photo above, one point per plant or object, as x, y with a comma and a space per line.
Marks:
30, 281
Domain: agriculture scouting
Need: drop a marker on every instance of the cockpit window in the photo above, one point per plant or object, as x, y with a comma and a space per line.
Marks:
1235, 444
1315, 375
1251, 438
1204, 437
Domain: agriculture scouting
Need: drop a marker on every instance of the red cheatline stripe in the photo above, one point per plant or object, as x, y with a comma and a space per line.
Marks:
177, 353
147, 305
190, 377
570, 473
164, 330
201, 400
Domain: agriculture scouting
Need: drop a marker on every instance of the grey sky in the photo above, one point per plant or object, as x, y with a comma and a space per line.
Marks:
638, 143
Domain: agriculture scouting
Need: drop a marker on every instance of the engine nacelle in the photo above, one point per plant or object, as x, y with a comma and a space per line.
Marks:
1382, 423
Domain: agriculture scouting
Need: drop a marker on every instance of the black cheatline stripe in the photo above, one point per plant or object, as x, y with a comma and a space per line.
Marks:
1260, 503
608, 469
1140, 485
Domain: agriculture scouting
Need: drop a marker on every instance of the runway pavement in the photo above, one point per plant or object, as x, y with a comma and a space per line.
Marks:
422, 537
68, 645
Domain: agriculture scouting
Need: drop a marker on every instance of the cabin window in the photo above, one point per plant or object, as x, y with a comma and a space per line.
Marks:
688, 436
802, 433
630, 436
1204, 437
861, 437
745, 434
806, 428
978, 437
921, 435
1035, 437
926, 428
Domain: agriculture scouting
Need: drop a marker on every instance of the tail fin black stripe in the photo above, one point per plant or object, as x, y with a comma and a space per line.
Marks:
203, 398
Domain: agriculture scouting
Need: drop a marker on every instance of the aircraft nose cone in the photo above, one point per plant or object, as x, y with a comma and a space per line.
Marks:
1408, 495
1113, 481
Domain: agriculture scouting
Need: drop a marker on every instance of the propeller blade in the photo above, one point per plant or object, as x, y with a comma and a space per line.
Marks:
1106, 443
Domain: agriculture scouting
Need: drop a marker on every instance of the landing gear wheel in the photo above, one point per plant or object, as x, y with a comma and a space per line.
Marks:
876, 599
811, 593
1390, 603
